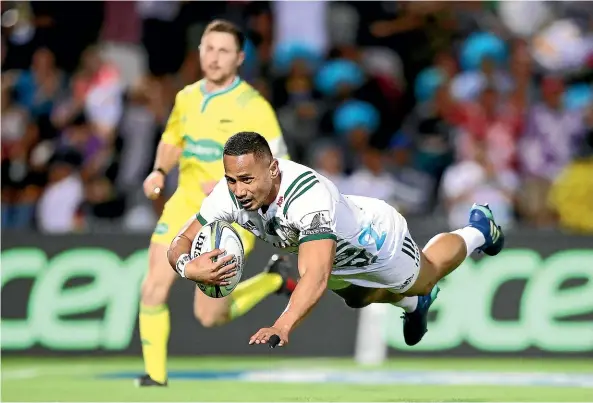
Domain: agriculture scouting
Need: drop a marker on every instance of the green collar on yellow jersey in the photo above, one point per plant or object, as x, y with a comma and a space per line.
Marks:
208, 96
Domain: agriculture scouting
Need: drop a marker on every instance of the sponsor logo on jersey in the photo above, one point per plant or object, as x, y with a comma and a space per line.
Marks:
316, 223
161, 228
249, 226
281, 236
280, 201
204, 150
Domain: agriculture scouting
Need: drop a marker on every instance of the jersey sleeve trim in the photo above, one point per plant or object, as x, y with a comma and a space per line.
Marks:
317, 237
201, 219
296, 195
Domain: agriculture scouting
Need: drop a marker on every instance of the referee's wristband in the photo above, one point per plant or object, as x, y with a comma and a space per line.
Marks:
181, 263
161, 170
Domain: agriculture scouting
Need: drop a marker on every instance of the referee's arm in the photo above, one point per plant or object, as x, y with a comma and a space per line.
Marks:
171, 144
262, 119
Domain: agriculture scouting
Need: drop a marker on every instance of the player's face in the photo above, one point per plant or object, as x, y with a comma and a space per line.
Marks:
251, 180
219, 56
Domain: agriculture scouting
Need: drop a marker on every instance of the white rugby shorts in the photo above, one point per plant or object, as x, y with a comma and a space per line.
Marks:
397, 272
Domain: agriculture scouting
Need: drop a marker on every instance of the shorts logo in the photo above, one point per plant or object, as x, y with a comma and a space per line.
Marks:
316, 223
161, 228
204, 150
405, 283
369, 234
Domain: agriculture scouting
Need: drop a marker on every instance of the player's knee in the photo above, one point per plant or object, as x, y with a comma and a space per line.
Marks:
209, 318
153, 291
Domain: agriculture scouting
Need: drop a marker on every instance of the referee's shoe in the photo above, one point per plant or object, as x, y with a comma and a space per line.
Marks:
146, 380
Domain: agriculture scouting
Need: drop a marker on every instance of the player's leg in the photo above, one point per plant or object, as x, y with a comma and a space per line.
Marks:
275, 278
359, 297
154, 319
445, 252
441, 255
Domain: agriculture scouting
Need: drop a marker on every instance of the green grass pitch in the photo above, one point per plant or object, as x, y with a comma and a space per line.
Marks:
82, 379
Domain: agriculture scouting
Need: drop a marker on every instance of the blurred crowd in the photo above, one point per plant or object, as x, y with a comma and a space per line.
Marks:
428, 105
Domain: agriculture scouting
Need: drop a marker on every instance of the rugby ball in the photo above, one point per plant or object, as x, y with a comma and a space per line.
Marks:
219, 235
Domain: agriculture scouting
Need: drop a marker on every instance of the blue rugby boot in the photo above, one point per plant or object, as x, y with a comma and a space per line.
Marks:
416, 323
481, 218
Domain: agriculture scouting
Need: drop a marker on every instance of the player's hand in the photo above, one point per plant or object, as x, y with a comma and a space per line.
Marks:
208, 187
153, 185
263, 336
205, 271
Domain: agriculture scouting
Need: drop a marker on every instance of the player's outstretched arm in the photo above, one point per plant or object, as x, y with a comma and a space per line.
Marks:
315, 266
181, 245
201, 269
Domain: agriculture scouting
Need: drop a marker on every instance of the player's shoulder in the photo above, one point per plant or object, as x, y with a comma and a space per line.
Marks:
303, 188
190, 90
221, 191
291, 169
249, 97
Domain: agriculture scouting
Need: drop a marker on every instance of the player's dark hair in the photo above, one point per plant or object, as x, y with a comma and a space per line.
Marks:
229, 28
244, 143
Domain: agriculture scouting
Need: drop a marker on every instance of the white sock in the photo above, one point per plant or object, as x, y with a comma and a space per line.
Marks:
408, 304
473, 238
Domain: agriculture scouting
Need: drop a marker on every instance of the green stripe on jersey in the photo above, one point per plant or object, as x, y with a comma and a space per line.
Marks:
294, 183
292, 199
317, 237
201, 219
297, 189
233, 198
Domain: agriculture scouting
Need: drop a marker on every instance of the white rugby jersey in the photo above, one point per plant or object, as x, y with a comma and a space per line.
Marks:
309, 207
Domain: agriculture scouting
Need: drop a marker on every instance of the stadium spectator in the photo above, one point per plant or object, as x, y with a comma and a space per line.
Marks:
571, 192
477, 178
372, 179
39, 87
492, 121
551, 140
59, 205
327, 159
401, 91
17, 134
294, 94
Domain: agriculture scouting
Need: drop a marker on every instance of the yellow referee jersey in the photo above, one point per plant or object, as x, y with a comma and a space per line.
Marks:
202, 122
